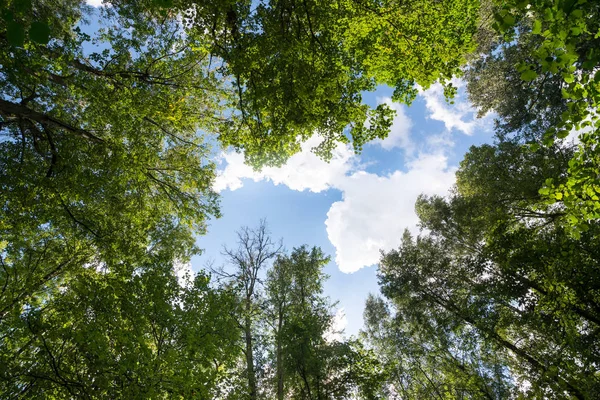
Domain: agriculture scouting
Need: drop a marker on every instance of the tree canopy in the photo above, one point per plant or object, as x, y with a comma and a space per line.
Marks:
109, 122
497, 297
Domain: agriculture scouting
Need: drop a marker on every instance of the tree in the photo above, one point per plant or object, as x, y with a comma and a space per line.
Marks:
499, 270
425, 360
103, 336
278, 283
255, 251
308, 364
542, 79
302, 317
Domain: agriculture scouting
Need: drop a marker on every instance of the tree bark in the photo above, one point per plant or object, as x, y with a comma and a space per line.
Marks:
19, 110
279, 367
250, 359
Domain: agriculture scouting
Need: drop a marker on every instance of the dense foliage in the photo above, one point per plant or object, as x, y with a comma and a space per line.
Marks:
499, 273
498, 296
105, 171
107, 121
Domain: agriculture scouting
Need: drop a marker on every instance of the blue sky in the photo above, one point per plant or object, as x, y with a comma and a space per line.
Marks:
354, 205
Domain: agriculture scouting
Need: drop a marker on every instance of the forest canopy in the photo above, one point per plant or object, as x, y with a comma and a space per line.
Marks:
109, 118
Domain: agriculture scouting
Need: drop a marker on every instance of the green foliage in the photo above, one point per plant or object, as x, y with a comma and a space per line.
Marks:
105, 336
300, 69
18, 25
103, 181
499, 280
308, 363
542, 79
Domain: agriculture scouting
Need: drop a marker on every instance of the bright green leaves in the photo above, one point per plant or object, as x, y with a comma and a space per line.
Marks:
553, 45
579, 191
564, 31
376, 127
528, 75
568, 77
537, 27
301, 70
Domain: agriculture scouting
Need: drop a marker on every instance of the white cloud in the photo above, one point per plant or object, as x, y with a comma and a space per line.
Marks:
336, 331
460, 116
399, 136
94, 3
375, 210
304, 170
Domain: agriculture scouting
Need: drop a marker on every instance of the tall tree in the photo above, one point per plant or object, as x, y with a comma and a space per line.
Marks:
301, 314
279, 280
425, 360
248, 262
541, 78
499, 266
310, 363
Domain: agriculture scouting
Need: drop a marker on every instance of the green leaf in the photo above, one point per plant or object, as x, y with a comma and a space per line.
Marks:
529, 75
548, 140
534, 147
509, 20
569, 78
537, 27
39, 32
563, 133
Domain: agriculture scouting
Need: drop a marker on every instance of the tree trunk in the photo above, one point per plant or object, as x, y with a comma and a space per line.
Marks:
279, 366
250, 359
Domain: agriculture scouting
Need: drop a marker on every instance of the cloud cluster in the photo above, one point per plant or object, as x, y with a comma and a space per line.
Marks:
303, 171
94, 3
459, 116
375, 209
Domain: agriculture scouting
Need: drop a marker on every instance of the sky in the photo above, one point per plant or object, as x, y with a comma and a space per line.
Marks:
356, 205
